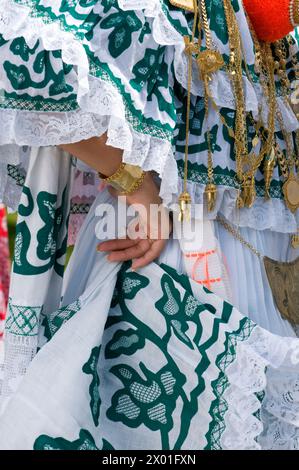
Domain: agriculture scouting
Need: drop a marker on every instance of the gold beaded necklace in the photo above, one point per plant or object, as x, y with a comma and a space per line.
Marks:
209, 61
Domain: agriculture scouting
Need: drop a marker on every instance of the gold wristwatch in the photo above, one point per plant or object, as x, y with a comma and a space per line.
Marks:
126, 180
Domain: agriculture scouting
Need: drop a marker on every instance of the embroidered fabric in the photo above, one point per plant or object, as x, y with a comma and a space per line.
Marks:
272, 214
101, 110
220, 86
262, 366
13, 168
101, 105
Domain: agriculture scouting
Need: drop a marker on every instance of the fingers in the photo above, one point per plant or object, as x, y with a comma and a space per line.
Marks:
117, 244
142, 252
130, 253
153, 253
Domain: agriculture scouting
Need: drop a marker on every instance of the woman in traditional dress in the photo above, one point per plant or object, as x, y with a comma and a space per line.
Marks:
154, 353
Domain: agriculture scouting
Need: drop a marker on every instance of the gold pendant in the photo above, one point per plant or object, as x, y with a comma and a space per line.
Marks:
209, 62
248, 194
291, 192
295, 241
211, 195
183, 4
184, 203
284, 281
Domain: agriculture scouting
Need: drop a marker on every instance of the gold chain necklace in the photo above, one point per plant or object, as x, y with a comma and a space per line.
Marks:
190, 48
283, 277
209, 61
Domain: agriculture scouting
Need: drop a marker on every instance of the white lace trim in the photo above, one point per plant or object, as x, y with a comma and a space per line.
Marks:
267, 364
101, 105
271, 214
220, 87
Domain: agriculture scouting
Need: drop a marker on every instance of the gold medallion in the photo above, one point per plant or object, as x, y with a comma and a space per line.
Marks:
183, 4
291, 192
209, 62
284, 281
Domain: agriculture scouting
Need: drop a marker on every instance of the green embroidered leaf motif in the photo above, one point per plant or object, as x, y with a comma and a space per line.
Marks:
153, 71
144, 32
107, 445
132, 284
150, 401
169, 305
147, 67
123, 24
39, 62
85, 442
179, 331
20, 48
124, 342
178, 313
18, 76
91, 368
60, 86
108, 4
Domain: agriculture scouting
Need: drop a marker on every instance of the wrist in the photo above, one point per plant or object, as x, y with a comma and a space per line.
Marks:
126, 179
147, 193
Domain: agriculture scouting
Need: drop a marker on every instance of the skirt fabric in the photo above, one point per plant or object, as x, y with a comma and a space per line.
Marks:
101, 357
145, 360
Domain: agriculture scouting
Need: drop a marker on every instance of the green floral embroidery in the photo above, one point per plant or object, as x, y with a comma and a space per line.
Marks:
20, 78
108, 4
20, 47
144, 32
124, 342
149, 401
132, 284
124, 24
91, 368
178, 312
152, 71
85, 442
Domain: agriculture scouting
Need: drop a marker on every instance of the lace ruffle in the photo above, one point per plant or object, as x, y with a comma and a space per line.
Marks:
262, 396
271, 214
220, 87
101, 106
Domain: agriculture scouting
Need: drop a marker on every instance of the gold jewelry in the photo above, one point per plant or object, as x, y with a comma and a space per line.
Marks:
295, 240
283, 277
190, 48
209, 61
294, 12
291, 192
183, 4
126, 180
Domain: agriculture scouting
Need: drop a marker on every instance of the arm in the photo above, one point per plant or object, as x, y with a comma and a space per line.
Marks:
106, 160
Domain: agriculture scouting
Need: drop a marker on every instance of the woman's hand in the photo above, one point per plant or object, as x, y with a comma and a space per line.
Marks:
155, 230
